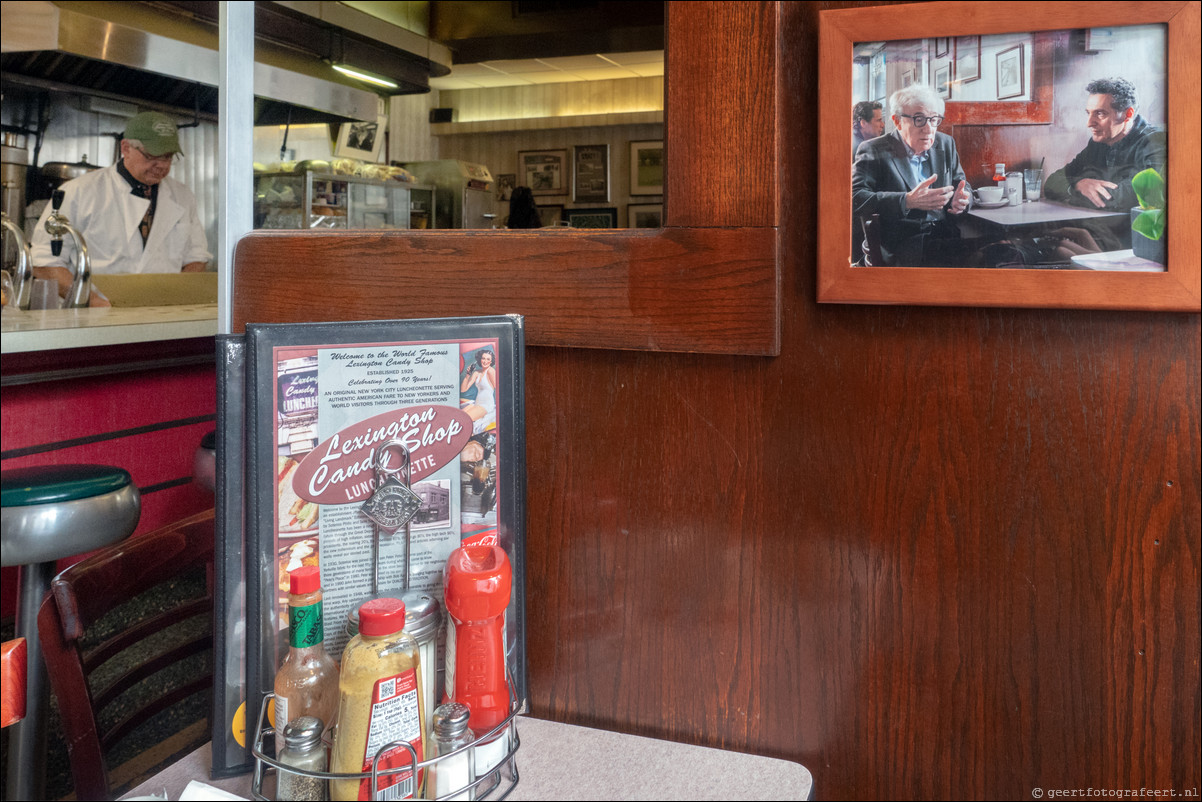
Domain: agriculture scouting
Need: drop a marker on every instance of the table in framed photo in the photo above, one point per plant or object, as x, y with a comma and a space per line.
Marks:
647, 167
590, 174
984, 128
644, 215
591, 218
544, 171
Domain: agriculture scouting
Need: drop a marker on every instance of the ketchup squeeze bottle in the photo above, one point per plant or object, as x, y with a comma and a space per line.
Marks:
477, 585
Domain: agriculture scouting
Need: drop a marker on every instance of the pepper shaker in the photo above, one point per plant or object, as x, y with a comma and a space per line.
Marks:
303, 749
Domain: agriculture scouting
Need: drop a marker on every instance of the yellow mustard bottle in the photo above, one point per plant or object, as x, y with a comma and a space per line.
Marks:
379, 701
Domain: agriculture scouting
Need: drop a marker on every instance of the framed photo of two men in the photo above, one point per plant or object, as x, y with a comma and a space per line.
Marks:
1041, 172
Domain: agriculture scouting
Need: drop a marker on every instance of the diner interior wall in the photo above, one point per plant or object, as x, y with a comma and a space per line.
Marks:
550, 100
499, 152
409, 137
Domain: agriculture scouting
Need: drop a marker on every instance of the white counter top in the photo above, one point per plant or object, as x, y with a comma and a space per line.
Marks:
52, 329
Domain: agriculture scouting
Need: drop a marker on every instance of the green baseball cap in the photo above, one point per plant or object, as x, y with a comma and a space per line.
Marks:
156, 131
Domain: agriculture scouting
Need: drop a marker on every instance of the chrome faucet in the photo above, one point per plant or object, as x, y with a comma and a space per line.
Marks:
57, 225
23, 276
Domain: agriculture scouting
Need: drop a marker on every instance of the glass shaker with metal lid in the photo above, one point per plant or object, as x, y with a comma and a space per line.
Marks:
451, 732
303, 749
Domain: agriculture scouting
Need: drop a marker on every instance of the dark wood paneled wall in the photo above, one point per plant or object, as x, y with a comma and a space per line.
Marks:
927, 552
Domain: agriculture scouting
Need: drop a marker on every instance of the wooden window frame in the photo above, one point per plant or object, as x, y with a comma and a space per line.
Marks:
708, 282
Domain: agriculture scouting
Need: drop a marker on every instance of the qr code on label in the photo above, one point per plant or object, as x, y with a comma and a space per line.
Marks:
387, 689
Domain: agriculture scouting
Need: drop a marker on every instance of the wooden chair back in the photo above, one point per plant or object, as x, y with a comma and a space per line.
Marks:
872, 241
108, 689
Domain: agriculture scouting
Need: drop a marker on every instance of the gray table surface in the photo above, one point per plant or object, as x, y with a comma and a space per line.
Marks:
562, 761
1040, 211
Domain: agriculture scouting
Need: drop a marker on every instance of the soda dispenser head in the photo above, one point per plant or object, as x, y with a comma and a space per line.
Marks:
56, 234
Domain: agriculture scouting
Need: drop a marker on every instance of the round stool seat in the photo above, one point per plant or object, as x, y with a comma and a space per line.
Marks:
55, 511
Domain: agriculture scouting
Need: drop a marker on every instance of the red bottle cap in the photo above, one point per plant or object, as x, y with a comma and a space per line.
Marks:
306, 579
381, 617
477, 582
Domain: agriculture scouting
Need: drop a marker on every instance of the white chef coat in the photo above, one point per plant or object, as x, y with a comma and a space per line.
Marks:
101, 205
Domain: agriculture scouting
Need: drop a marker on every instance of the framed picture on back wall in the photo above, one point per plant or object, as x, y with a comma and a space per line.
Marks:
544, 171
647, 167
590, 174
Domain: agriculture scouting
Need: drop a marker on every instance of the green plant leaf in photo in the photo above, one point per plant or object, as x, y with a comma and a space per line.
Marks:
1149, 190
1150, 223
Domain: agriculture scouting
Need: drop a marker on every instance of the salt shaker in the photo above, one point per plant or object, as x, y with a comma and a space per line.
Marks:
450, 774
303, 749
1014, 188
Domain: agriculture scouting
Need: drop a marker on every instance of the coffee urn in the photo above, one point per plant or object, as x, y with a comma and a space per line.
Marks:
15, 167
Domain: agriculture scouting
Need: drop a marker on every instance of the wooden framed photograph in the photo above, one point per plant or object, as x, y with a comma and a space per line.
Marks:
361, 140
942, 80
645, 215
1030, 254
647, 167
907, 78
544, 171
1010, 72
968, 59
591, 218
590, 174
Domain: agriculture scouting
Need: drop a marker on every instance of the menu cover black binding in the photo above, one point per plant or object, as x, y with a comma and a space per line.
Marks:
321, 398
230, 753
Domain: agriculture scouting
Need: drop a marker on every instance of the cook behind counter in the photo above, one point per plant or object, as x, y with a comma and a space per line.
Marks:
100, 205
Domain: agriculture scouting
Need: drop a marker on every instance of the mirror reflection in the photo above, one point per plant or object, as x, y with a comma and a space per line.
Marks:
549, 116
455, 107
1028, 150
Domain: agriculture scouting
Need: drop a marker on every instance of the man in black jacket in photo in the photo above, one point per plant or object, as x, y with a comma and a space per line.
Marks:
1122, 143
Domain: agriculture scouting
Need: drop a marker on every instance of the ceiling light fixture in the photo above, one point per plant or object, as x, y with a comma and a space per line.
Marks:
361, 75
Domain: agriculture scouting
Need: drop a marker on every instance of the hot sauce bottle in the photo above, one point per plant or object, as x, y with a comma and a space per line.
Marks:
307, 682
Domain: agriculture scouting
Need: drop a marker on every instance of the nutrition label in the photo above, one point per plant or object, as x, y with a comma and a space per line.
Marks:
394, 717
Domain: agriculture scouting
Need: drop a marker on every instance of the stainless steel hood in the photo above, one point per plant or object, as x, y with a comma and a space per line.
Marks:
165, 54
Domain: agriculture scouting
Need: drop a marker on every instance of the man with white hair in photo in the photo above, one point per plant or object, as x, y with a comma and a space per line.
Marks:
912, 178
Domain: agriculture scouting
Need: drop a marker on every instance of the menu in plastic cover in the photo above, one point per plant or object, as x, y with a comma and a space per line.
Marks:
336, 410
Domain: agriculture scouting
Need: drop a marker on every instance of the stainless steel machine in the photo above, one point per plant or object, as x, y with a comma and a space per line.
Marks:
463, 193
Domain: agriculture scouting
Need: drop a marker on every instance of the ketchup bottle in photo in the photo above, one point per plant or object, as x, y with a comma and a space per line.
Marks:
477, 586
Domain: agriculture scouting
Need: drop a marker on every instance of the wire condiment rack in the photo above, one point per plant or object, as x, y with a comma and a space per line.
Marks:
497, 783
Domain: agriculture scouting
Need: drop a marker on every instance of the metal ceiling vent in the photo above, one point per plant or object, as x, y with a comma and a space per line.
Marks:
165, 53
